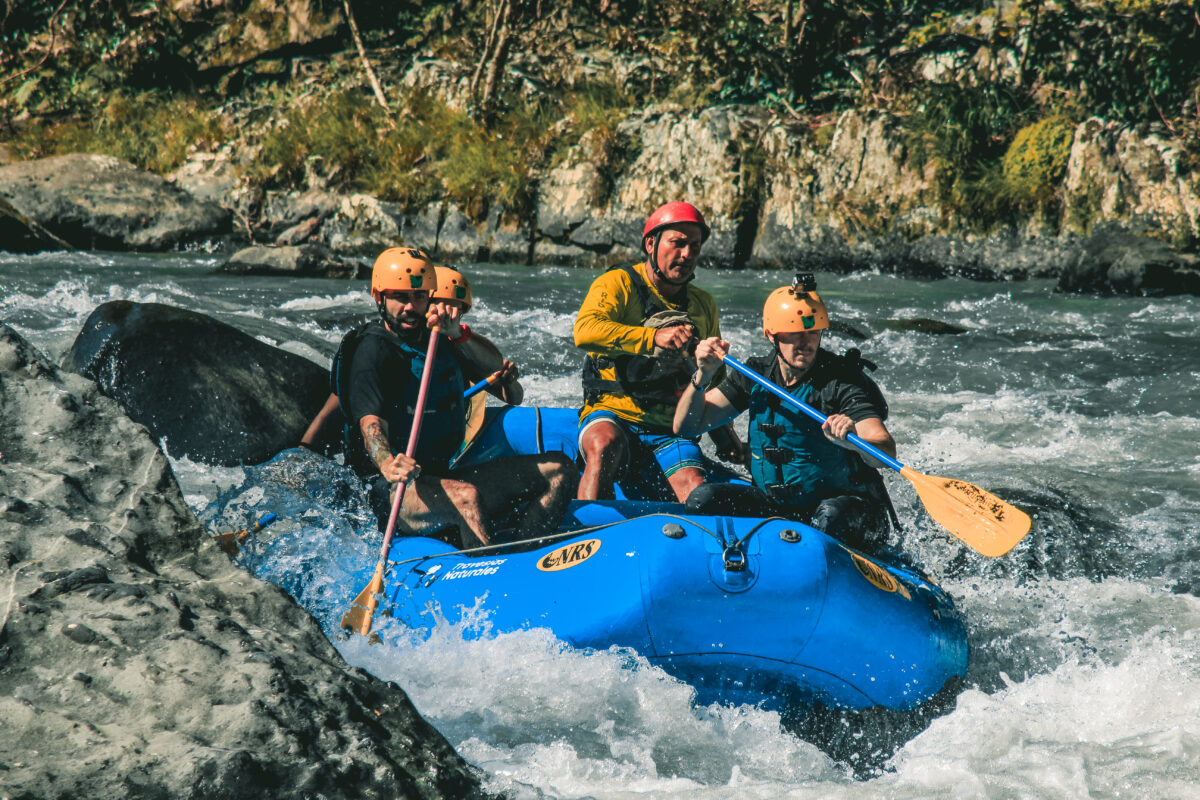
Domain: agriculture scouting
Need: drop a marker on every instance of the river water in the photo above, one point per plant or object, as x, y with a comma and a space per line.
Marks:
1085, 672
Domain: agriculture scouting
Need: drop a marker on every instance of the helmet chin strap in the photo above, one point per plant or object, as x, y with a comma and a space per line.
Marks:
779, 355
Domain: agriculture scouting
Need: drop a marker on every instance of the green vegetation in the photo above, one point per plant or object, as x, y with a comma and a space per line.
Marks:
962, 133
149, 129
429, 152
1036, 162
987, 92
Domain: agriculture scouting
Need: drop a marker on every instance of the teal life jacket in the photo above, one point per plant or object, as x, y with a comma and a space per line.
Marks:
444, 424
794, 463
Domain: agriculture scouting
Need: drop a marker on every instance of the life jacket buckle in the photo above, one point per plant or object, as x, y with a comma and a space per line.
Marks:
771, 431
778, 456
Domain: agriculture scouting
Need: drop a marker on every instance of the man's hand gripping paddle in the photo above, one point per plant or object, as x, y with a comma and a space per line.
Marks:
980, 519
358, 618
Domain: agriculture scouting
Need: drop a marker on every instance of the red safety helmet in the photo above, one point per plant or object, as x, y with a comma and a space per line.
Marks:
672, 214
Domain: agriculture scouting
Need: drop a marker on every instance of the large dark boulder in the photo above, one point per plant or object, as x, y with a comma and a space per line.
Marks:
137, 661
216, 394
1114, 262
100, 202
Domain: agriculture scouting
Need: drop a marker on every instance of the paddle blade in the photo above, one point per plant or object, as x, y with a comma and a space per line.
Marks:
979, 518
358, 618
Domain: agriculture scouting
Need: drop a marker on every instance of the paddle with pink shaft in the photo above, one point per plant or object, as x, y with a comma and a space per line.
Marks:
358, 618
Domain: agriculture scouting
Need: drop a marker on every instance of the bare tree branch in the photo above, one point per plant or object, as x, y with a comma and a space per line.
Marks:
372, 78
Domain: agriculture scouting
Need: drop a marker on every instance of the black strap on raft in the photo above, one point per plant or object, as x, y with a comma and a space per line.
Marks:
641, 377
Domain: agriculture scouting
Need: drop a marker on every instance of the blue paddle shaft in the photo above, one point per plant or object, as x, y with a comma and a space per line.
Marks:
854, 439
476, 389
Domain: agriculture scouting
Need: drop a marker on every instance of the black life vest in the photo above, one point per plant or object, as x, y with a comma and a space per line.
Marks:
441, 434
647, 379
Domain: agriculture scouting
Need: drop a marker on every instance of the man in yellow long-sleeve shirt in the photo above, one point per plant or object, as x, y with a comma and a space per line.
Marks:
637, 325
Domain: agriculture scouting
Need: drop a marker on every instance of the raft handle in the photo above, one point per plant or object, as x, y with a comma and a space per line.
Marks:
735, 559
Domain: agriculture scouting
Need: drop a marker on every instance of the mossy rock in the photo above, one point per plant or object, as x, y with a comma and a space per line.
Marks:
1036, 161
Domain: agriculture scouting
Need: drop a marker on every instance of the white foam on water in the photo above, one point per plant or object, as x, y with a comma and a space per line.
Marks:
1125, 728
534, 712
499, 325
201, 482
351, 299
556, 392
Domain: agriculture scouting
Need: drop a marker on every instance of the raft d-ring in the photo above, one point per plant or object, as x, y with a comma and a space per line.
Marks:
735, 559
673, 530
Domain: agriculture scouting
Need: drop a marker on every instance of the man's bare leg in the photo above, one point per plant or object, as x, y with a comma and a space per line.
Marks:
604, 450
431, 503
546, 482
684, 480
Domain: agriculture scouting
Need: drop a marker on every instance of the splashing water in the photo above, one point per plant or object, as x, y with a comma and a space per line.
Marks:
1084, 679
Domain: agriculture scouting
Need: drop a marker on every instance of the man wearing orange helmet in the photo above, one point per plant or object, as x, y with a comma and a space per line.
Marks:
478, 354
381, 380
636, 325
798, 466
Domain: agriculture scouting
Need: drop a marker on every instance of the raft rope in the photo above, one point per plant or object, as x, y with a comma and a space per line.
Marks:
738, 545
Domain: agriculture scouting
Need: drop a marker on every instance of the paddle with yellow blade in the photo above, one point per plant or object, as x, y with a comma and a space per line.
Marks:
977, 517
358, 618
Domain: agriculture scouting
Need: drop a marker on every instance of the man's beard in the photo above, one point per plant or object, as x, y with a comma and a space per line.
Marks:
396, 323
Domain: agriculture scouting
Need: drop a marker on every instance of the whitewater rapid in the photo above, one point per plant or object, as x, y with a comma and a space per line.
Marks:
1084, 678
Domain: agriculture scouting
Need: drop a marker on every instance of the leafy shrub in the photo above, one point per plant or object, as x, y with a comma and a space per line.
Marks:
147, 129
963, 132
429, 152
1036, 163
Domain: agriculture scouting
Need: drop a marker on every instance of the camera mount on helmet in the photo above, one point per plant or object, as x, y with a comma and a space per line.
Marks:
804, 282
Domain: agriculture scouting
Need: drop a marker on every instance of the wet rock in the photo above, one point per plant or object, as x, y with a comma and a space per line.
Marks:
366, 226
1114, 262
308, 260
20, 234
924, 325
209, 177
216, 394
1141, 180
104, 695
459, 239
299, 233
100, 202
82, 634
287, 211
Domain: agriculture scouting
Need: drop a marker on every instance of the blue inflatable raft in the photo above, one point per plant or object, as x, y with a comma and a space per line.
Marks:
759, 611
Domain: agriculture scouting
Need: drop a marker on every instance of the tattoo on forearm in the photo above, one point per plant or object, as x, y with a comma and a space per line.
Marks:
376, 443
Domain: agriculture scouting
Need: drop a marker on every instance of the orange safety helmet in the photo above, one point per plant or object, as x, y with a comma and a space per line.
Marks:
453, 285
795, 308
402, 269
674, 213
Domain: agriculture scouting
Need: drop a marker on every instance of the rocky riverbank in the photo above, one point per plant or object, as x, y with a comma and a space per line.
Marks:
960, 147
137, 661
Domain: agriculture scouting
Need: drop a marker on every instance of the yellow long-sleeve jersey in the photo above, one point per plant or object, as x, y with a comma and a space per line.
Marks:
611, 325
